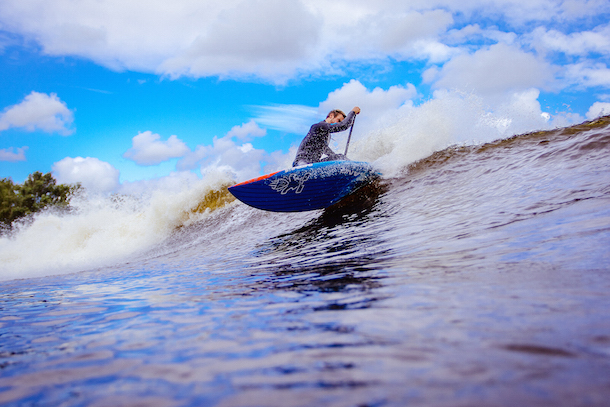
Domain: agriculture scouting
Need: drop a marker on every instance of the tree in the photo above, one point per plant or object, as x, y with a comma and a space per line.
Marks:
8, 202
37, 192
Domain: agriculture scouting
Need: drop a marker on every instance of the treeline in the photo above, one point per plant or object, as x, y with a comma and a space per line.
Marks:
36, 193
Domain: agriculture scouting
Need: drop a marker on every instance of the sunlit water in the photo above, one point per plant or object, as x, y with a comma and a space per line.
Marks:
479, 276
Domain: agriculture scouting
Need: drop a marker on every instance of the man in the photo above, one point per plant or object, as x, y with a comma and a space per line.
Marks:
315, 144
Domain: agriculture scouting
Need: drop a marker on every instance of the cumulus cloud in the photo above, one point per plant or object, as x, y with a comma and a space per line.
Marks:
494, 70
229, 154
401, 34
12, 154
247, 131
93, 174
571, 10
576, 43
118, 34
587, 74
148, 149
241, 160
193, 158
244, 160
39, 111
271, 37
376, 101
598, 109
278, 39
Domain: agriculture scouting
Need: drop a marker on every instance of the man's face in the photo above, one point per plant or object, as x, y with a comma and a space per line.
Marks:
336, 118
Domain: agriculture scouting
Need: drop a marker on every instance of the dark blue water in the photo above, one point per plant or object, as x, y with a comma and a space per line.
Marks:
480, 276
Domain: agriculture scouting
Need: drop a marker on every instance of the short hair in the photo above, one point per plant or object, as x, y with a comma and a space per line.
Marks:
336, 112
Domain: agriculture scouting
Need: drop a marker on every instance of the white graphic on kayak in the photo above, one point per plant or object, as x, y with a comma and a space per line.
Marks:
289, 182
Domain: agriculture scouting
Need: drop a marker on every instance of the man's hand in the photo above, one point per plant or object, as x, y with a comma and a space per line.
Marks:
356, 110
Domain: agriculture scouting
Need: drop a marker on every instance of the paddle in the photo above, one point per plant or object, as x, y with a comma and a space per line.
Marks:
349, 136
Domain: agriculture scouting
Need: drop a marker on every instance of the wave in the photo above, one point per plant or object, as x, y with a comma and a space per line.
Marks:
453, 119
103, 231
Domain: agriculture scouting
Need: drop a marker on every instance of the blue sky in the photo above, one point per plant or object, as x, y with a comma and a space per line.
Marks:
110, 93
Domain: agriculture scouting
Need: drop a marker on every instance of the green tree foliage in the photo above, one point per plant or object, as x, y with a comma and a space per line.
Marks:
36, 193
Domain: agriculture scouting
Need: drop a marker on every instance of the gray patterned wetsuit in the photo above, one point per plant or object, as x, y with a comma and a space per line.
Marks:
316, 141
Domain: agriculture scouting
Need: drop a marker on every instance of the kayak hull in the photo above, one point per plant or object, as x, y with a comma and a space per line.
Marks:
305, 188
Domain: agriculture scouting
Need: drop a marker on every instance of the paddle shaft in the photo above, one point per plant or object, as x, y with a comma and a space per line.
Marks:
349, 136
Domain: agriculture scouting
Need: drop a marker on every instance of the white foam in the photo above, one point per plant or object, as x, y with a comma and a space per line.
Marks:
450, 118
101, 230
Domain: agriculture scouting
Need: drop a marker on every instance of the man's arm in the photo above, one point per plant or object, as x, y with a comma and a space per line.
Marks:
344, 125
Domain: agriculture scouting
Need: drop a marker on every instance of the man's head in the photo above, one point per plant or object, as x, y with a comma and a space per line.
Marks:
335, 116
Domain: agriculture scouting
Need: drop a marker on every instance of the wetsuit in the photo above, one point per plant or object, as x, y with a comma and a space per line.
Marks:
316, 141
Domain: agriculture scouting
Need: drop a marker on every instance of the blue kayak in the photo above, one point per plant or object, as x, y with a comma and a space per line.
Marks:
305, 188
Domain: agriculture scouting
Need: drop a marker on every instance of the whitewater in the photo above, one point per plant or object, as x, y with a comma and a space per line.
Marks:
470, 274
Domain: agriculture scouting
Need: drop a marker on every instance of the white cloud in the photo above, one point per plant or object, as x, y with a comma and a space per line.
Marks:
148, 149
598, 109
137, 34
271, 37
231, 156
39, 111
570, 10
93, 174
243, 160
193, 158
400, 33
495, 70
576, 43
376, 101
9, 154
247, 131
278, 39
586, 74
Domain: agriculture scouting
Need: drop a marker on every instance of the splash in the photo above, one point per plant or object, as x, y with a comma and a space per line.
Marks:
103, 230
450, 119
215, 199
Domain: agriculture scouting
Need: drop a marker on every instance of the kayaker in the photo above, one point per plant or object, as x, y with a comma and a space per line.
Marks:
315, 143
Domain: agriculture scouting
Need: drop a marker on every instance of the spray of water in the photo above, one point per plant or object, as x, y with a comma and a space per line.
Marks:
451, 118
101, 230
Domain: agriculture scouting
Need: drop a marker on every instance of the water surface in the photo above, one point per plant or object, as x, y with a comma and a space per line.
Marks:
479, 276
